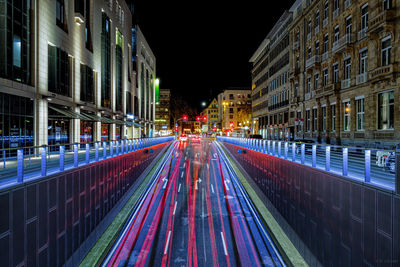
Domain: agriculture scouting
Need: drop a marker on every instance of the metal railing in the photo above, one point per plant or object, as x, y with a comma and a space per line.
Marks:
27, 163
368, 165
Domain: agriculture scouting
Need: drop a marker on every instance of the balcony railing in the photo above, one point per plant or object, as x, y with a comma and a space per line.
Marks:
347, 4
316, 29
296, 45
313, 61
325, 22
362, 33
325, 56
378, 22
342, 43
381, 72
346, 83
362, 78
336, 13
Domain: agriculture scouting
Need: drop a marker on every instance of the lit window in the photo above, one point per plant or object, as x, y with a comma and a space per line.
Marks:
386, 111
17, 51
386, 51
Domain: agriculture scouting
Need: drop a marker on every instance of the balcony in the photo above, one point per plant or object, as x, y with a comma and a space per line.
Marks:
362, 78
296, 45
381, 21
336, 13
307, 96
325, 22
325, 56
316, 30
346, 83
309, 36
347, 4
341, 44
362, 34
312, 61
380, 72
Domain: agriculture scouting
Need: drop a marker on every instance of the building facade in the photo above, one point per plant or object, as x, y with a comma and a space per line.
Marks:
211, 112
344, 72
270, 83
163, 113
65, 72
234, 110
145, 77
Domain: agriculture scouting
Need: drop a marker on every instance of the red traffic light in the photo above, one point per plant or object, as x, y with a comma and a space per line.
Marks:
205, 118
176, 128
198, 118
185, 117
215, 129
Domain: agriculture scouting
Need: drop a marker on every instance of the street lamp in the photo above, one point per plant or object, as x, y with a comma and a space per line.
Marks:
203, 104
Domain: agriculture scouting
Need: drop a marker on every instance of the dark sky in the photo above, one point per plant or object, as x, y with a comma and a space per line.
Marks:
204, 47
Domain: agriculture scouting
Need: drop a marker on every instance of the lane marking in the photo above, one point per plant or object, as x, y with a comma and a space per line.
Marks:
212, 188
179, 188
226, 185
223, 243
182, 174
208, 166
184, 165
165, 182
176, 202
166, 245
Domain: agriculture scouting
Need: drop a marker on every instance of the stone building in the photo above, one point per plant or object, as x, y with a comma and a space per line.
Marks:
270, 83
234, 109
211, 112
344, 72
163, 112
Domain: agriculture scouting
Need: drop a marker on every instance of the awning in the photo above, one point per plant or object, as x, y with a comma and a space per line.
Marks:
70, 114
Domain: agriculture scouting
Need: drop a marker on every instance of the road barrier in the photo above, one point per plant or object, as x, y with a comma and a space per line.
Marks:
372, 166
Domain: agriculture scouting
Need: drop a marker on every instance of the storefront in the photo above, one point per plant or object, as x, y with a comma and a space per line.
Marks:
16, 121
105, 132
58, 128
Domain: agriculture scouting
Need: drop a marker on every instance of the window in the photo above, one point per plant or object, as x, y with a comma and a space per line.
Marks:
106, 64
317, 18
296, 90
363, 61
348, 28
230, 110
326, 10
309, 52
315, 120
308, 120
88, 31
386, 51
326, 43
60, 15
360, 114
17, 51
336, 35
316, 81
346, 121
364, 17
58, 71
325, 73
333, 116
118, 71
309, 27
335, 5
386, 110
336, 72
323, 109
297, 62
317, 48
87, 82
387, 4
347, 68
308, 84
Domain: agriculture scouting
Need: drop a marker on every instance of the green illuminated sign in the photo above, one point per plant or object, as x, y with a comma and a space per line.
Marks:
157, 89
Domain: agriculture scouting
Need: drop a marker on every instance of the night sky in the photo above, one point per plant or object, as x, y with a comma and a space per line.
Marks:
204, 47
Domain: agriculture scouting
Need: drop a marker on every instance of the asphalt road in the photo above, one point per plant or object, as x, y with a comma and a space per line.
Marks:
195, 213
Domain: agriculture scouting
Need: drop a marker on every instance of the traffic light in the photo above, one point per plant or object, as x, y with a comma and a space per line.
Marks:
185, 117
215, 128
198, 118
204, 118
176, 128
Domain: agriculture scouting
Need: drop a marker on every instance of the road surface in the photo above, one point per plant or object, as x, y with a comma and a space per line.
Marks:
195, 213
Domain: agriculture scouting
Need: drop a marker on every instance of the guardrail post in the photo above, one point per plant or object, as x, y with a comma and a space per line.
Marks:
116, 148
62, 158
314, 156
294, 147
43, 160
367, 154
96, 152
127, 145
111, 149
279, 148
87, 153
397, 166
269, 146
104, 150
76, 155
264, 146
327, 158
303, 153
20, 165
273, 148
345, 155
4, 158
286, 150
